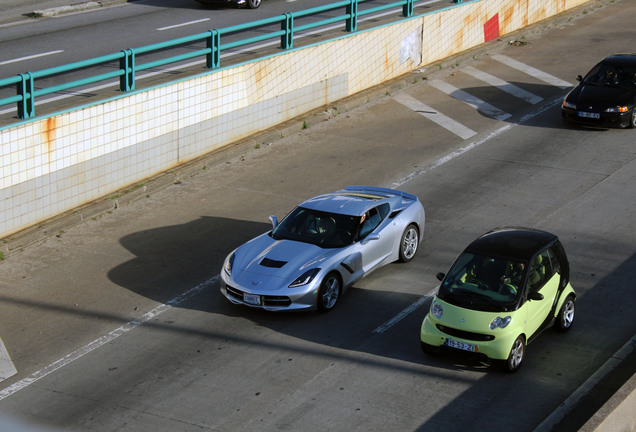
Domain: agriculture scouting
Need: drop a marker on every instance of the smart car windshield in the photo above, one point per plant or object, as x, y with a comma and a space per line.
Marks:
327, 230
609, 75
483, 283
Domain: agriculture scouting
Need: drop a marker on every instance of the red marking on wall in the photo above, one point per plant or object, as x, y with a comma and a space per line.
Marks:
491, 28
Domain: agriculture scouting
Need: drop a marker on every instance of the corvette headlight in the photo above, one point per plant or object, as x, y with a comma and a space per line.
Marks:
618, 109
437, 310
229, 263
500, 322
305, 278
568, 105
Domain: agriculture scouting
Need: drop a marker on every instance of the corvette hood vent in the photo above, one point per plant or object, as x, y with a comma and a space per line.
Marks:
266, 262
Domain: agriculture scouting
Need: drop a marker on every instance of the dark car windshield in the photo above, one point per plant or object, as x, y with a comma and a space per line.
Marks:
609, 75
327, 230
483, 283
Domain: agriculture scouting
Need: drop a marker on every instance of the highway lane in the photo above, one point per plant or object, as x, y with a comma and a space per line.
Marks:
60, 40
203, 364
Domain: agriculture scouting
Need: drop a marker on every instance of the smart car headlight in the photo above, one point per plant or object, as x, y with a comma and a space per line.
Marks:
305, 278
500, 322
229, 263
437, 310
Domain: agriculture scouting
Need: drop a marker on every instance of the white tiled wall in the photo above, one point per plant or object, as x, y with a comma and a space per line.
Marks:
55, 164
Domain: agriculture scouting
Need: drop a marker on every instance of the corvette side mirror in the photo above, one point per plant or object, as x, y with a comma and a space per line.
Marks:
274, 221
370, 237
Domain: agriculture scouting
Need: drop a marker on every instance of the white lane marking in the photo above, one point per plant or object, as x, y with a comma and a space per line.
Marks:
553, 419
472, 145
6, 62
503, 85
469, 99
183, 24
539, 74
390, 323
435, 116
7, 368
79, 353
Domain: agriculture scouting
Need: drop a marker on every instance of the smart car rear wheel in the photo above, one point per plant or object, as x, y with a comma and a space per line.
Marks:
409, 243
329, 292
566, 314
517, 353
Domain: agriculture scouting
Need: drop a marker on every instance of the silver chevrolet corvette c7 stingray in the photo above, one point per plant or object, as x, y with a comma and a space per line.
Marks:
322, 247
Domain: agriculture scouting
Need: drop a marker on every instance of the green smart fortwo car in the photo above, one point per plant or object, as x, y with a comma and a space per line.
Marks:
504, 289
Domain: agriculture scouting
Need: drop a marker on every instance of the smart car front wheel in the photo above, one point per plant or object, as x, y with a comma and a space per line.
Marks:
329, 293
566, 314
517, 353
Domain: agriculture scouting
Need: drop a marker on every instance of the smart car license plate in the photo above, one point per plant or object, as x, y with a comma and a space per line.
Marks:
589, 114
252, 299
459, 345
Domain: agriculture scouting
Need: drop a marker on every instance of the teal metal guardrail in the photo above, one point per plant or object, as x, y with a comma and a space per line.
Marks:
26, 93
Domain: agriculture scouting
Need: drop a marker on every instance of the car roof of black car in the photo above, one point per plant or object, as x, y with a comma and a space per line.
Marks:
621, 59
517, 243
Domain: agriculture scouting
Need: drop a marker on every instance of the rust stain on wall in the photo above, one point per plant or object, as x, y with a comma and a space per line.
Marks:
49, 134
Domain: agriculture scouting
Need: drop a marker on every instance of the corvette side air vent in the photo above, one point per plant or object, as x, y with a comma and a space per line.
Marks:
394, 213
266, 262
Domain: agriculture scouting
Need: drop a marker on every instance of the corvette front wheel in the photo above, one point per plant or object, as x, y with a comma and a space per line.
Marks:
409, 243
329, 293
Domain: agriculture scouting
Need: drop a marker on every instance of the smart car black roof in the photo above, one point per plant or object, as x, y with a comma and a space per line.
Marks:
517, 243
620, 59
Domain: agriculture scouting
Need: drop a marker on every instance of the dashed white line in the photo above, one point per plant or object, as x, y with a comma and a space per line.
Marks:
435, 116
6, 62
503, 85
390, 323
469, 99
182, 24
79, 353
529, 70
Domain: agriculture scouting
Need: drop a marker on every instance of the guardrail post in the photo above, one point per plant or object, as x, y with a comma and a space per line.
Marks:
127, 64
26, 106
287, 26
352, 12
213, 59
407, 9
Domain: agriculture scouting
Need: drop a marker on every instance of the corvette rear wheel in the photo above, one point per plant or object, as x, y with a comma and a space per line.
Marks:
566, 314
329, 292
517, 353
409, 243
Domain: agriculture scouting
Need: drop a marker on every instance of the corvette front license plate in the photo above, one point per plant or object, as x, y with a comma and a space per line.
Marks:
459, 345
589, 114
252, 299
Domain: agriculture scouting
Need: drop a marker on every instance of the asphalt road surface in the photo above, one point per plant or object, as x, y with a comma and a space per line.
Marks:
118, 323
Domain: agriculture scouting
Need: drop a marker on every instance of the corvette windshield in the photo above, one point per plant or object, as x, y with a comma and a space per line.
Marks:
612, 76
483, 283
327, 230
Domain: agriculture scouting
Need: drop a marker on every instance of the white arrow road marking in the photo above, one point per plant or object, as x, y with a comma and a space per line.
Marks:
7, 369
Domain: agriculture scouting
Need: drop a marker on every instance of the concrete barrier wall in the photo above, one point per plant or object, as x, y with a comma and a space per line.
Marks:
52, 165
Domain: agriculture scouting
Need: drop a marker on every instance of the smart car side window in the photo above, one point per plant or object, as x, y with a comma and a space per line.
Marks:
541, 270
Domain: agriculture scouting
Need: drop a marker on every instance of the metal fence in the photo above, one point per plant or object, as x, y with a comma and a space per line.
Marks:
25, 83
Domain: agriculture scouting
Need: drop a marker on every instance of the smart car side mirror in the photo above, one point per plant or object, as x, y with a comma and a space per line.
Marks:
579, 77
535, 296
440, 276
274, 221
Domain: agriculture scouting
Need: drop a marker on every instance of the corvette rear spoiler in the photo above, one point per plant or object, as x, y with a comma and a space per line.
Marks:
371, 189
